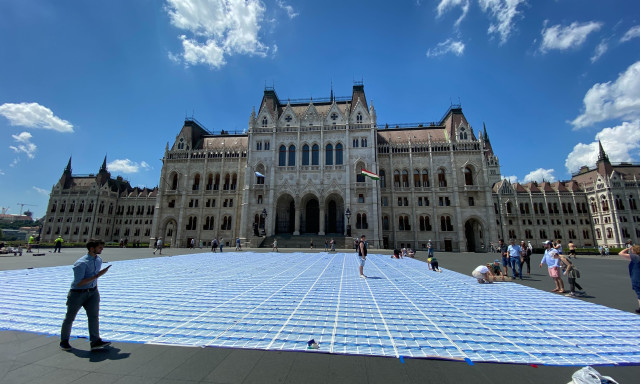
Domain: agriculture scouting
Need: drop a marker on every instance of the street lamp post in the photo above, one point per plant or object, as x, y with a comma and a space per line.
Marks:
348, 214
264, 220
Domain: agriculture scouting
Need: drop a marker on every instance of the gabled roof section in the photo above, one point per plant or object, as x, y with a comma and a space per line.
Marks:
358, 93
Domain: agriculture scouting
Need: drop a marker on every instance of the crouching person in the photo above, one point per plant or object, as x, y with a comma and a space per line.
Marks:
483, 274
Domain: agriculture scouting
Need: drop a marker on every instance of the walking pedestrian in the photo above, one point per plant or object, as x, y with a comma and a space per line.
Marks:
84, 294
553, 264
362, 255
633, 255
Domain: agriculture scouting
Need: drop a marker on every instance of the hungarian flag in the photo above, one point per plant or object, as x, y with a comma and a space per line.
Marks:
369, 174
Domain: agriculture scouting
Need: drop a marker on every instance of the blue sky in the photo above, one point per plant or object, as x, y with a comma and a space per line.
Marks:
92, 78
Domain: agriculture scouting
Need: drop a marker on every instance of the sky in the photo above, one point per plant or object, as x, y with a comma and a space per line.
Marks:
117, 78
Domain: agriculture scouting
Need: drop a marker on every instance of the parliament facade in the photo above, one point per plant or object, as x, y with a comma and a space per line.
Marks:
298, 170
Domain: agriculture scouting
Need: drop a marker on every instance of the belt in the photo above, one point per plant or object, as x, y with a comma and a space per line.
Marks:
84, 290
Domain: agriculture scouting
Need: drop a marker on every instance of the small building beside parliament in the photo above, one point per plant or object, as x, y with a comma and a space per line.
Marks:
298, 171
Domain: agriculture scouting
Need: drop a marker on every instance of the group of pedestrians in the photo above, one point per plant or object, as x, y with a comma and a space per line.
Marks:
514, 256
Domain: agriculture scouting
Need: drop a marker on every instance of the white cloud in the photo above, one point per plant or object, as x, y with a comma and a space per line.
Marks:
563, 38
217, 28
41, 191
1, 172
540, 175
512, 179
25, 145
620, 99
632, 33
601, 49
126, 166
289, 9
445, 5
504, 11
620, 143
455, 47
34, 115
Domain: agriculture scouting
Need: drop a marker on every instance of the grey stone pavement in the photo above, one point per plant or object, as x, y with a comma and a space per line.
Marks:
34, 358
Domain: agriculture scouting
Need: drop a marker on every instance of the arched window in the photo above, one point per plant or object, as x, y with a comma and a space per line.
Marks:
468, 176
396, 178
264, 121
282, 160
260, 179
509, 207
359, 175
442, 178
604, 203
405, 179
328, 159
339, 154
234, 182
416, 178
425, 223
359, 118
425, 178
305, 154
209, 185
216, 185
315, 154
385, 223
174, 182
383, 179
196, 182
227, 182
463, 134
292, 155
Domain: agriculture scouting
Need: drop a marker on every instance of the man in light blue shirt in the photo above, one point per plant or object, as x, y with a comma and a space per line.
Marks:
84, 294
514, 258
552, 259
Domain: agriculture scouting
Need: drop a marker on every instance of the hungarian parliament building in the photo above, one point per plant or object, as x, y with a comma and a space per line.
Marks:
297, 171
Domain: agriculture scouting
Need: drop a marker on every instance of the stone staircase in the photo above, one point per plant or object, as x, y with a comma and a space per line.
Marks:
303, 241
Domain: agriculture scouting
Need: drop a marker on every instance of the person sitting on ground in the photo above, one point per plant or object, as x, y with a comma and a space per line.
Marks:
411, 253
483, 274
496, 269
396, 254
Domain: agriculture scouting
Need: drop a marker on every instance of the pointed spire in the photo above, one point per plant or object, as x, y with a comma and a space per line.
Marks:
103, 168
484, 133
68, 168
601, 154
332, 99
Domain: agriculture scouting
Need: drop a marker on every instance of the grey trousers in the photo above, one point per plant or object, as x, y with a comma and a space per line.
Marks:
91, 303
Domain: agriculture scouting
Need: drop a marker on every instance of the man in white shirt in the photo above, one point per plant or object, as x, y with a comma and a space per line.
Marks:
483, 274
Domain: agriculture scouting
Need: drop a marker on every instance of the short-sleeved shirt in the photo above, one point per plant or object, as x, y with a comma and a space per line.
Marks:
482, 269
514, 250
86, 266
549, 259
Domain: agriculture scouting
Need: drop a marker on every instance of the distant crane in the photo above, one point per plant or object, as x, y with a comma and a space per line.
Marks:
5, 209
22, 206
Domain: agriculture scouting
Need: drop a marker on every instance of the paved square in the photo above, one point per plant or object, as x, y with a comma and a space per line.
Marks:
279, 301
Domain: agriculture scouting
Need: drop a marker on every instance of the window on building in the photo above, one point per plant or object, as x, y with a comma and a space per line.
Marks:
196, 182
416, 179
292, 155
425, 178
383, 179
315, 154
360, 198
396, 178
403, 223
259, 145
385, 223
442, 178
328, 160
264, 122
471, 201
356, 143
359, 118
363, 142
405, 179
339, 154
468, 175
425, 223
359, 175
282, 158
305, 154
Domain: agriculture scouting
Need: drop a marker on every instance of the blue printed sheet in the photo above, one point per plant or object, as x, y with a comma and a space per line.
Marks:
279, 301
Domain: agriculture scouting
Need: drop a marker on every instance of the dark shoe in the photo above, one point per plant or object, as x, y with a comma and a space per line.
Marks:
65, 346
638, 310
99, 344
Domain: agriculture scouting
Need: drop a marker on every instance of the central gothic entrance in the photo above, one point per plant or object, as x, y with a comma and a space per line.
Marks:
312, 217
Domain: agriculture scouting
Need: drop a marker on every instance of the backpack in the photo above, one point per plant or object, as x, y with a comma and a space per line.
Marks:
574, 273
